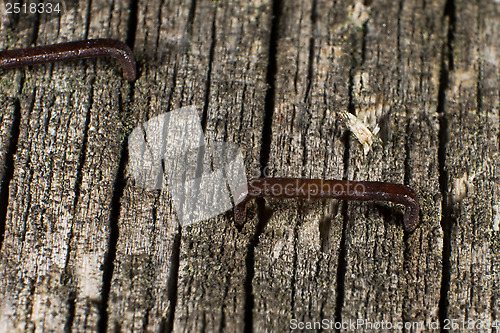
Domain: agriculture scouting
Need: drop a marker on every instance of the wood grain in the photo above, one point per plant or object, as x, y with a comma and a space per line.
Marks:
395, 88
472, 164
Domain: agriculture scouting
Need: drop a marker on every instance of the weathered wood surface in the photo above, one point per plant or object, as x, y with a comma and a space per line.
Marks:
84, 249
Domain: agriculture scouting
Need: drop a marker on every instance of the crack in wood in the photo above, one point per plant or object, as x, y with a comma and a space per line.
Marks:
209, 71
110, 256
447, 220
9, 165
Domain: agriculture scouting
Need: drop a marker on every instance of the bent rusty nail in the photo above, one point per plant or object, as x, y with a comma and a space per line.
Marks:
333, 189
70, 51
